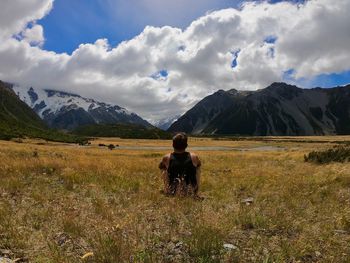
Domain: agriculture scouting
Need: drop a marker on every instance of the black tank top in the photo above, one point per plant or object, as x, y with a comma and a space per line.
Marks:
181, 167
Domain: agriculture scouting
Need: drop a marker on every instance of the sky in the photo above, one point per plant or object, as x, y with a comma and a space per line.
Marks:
118, 20
160, 57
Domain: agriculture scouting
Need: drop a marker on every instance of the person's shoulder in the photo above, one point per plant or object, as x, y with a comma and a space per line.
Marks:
166, 157
193, 155
195, 159
165, 162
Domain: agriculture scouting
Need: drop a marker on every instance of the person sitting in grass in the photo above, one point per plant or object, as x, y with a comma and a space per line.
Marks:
180, 169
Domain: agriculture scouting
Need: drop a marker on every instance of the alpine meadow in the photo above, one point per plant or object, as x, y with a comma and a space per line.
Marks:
60, 202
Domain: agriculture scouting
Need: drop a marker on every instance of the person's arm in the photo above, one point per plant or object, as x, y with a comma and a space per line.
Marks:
197, 163
163, 166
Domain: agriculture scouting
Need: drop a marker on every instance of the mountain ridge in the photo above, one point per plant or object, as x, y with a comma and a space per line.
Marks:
279, 109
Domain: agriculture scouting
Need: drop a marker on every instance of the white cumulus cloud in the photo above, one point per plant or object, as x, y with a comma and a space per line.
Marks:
34, 35
16, 14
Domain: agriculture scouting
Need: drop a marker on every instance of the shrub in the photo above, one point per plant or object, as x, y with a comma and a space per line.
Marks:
336, 154
111, 146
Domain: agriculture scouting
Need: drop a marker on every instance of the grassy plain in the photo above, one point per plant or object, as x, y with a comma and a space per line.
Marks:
59, 202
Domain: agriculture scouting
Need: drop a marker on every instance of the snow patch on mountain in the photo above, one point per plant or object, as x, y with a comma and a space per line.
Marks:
56, 100
67, 111
165, 123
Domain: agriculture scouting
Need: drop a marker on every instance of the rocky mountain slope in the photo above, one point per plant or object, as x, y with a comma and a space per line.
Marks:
279, 109
67, 111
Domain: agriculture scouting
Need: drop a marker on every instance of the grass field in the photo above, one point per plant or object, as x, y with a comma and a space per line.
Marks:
59, 202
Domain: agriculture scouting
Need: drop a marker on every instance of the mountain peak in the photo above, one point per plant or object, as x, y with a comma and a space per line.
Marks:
232, 91
283, 90
219, 92
281, 85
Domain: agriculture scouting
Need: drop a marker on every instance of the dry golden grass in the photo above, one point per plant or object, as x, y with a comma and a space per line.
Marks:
59, 202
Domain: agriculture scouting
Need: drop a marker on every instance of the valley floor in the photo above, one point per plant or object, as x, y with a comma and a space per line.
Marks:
58, 202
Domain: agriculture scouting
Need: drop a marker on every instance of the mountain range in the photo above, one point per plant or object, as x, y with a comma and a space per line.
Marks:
279, 109
66, 111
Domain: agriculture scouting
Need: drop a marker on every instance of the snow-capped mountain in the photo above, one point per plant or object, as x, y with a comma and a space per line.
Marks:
164, 124
68, 111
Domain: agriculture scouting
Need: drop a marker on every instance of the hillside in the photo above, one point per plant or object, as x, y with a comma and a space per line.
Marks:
126, 131
19, 120
279, 109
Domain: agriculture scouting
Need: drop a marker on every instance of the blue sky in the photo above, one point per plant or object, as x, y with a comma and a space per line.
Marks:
326, 80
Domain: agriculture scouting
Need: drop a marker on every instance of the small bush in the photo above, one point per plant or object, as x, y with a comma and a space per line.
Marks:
336, 154
111, 147
84, 142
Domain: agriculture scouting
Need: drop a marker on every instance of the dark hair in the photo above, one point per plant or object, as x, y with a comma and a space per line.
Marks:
180, 141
